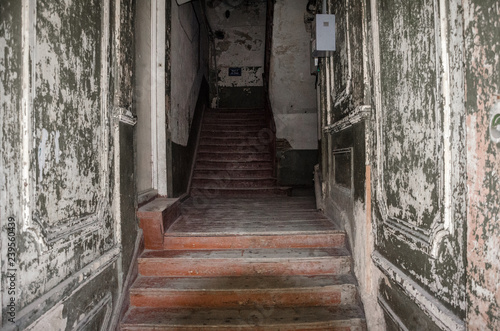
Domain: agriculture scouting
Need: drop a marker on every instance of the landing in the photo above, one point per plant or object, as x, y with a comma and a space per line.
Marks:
277, 215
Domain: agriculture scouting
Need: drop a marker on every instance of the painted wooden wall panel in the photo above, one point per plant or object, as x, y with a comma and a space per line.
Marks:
420, 190
60, 146
482, 41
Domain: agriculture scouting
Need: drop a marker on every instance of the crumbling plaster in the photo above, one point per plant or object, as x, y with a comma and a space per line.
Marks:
239, 38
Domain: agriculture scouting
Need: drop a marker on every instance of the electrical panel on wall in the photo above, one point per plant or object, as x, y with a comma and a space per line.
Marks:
323, 35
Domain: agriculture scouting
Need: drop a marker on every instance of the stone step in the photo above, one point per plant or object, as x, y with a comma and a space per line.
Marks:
237, 173
246, 262
228, 182
220, 292
252, 318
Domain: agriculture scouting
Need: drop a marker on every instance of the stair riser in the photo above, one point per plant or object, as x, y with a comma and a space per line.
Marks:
234, 173
261, 135
241, 149
234, 142
234, 183
333, 296
235, 121
241, 267
235, 116
229, 192
245, 242
216, 164
232, 127
236, 157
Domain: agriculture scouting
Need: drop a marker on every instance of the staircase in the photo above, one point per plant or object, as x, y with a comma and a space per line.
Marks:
262, 263
234, 155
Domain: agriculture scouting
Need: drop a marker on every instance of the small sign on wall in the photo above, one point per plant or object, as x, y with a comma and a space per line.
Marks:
234, 71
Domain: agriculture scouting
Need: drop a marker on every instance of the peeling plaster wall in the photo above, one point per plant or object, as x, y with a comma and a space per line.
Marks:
398, 71
482, 44
188, 65
239, 42
65, 72
346, 140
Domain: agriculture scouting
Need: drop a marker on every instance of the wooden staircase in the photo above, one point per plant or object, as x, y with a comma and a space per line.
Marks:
235, 155
267, 263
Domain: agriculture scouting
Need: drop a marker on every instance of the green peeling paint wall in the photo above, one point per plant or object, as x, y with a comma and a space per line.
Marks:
66, 188
426, 73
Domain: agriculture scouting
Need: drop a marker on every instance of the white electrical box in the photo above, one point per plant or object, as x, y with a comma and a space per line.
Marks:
323, 38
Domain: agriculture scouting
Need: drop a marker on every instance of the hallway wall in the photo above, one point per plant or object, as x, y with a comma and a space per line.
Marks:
482, 79
407, 163
66, 176
239, 32
187, 66
292, 95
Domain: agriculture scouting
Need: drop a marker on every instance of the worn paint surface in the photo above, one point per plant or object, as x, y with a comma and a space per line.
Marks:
291, 86
482, 23
420, 161
406, 63
58, 156
239, 37
347, 192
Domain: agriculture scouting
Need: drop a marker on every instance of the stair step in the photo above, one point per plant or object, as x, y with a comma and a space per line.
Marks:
249, 134
233, 127
231, 164
251, 318
286, 239
246, 262
233, 148
238, 173
228, 182
235, 113
225, 120
235, 141
218, 292
215, 191
234, 156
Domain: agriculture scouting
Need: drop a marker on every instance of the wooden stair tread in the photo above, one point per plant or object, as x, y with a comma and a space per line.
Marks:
244, 283
252, 318
247, 254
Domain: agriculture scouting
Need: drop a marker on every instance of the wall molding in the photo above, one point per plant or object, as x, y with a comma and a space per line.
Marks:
124, 115
436, 311
360, 113
34, 311
33, 222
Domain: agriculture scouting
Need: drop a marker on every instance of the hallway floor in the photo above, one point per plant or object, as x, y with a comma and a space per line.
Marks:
263, 263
